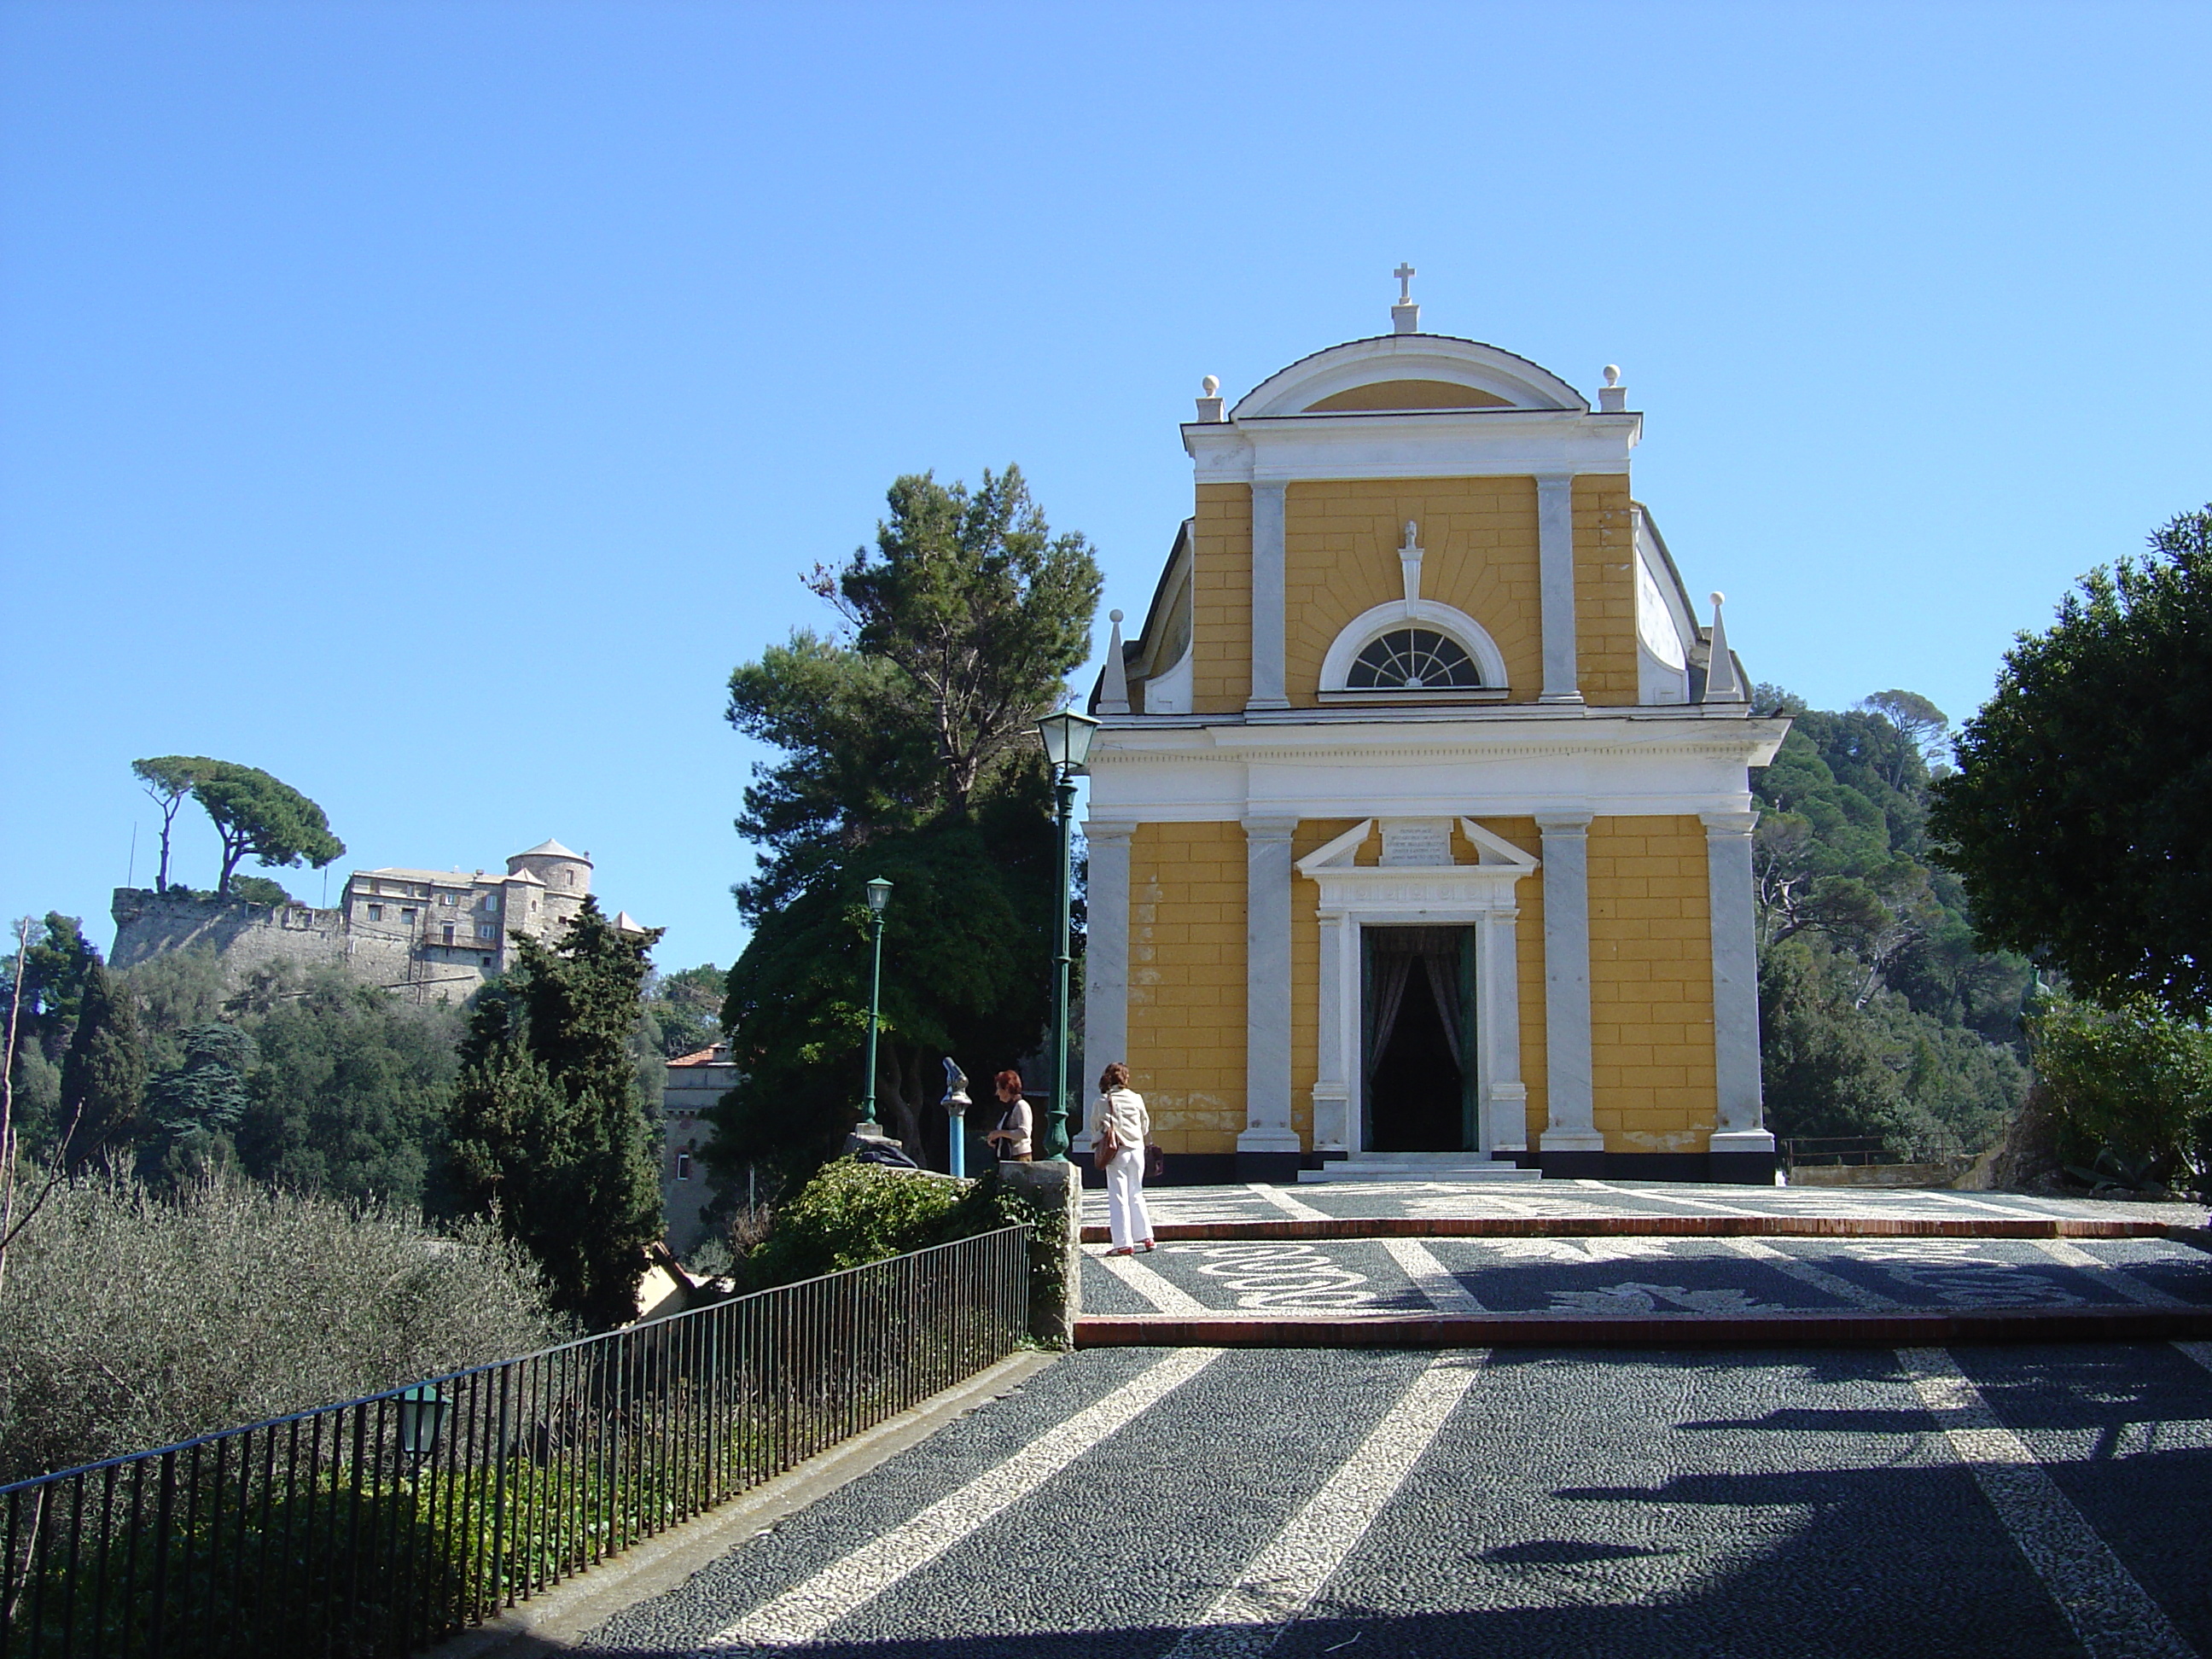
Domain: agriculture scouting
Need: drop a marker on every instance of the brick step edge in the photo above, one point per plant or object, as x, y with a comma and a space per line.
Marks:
1666, 1226
1789, 1330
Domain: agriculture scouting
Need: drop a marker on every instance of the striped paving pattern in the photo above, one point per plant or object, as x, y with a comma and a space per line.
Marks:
1186, 1503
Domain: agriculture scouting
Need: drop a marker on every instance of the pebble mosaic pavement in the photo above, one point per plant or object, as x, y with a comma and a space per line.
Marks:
1195, 1503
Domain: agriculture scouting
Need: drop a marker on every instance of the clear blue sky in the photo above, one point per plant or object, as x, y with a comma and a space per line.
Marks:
430, 404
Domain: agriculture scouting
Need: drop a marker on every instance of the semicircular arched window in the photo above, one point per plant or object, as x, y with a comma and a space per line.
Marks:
1413, 660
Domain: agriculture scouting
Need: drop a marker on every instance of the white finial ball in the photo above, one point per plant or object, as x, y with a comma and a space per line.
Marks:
1718, 597
1212, 383
1612, 374
1113, 616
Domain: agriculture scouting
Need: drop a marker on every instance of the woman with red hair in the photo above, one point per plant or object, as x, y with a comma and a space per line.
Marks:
1011, 1137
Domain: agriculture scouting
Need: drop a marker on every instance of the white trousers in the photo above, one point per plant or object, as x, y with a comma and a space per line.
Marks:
1126, 1216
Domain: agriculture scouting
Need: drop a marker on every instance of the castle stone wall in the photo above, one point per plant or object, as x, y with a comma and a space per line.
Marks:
250, 937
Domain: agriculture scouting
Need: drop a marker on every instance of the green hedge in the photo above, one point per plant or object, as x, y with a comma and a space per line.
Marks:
852, 1213
2132, 1090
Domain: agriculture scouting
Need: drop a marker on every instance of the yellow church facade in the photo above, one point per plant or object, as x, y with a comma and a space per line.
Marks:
1420, 819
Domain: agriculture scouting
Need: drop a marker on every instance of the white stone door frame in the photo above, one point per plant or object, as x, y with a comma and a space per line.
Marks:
1479, 895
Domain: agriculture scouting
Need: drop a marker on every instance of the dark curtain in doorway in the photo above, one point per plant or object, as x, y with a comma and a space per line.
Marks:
1406, 955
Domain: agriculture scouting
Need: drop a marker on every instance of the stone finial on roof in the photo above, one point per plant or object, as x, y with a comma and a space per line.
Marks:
1612, 396
1723, 682
1210, 406
1114, 683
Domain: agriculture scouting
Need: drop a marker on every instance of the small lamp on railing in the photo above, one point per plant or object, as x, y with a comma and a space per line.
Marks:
421, 1413
1066, 746
879, 895
955, 1103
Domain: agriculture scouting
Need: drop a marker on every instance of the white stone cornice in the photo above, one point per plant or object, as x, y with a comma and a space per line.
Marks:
1463, 734
1482, 443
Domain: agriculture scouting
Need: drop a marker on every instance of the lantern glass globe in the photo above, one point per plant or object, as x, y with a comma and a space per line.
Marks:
879, 895
1067, 739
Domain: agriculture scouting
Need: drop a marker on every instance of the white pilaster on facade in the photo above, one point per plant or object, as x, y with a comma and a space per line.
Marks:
1267, 617
1555, 555
1334, 1131
1267, 988
1741, 1121
1105, 952
1498, 1018
1571, 1096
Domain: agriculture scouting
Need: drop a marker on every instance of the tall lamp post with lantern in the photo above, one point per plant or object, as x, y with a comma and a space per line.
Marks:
1066, 747
879, 895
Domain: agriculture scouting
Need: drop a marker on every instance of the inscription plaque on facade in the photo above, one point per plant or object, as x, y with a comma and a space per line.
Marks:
1426, 843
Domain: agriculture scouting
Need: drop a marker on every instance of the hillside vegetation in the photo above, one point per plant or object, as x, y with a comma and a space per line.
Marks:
1878, 1015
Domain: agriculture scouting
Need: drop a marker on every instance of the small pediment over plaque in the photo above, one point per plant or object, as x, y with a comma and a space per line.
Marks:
1422, 844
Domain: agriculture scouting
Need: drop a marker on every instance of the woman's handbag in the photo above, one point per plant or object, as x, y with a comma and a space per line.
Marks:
1156, 1161
1104, 1145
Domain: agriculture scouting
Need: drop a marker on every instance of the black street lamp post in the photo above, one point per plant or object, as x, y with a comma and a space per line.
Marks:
1066, 746
879, 895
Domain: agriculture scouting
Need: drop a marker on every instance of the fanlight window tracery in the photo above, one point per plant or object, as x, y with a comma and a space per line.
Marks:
1413, 660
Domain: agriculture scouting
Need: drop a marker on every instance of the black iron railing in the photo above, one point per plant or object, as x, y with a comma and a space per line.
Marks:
373, 1527
1814, 1151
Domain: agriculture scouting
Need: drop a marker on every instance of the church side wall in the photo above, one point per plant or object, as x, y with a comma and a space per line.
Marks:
1221, 600
1652, 984
1186, 893
1605, 590
1479, 539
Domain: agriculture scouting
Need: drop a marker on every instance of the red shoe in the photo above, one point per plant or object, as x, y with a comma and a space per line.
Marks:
1121, 1250
1149, 1247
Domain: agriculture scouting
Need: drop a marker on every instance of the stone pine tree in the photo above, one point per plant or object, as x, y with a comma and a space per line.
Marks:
548, 1127
104, 1074
255, 814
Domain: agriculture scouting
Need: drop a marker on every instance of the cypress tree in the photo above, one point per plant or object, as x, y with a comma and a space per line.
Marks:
549, 1127
104, 1074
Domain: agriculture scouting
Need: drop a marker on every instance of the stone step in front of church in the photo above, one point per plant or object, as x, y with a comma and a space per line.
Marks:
1649, 1226
1900, 1330
2101, 1282
1419, 1166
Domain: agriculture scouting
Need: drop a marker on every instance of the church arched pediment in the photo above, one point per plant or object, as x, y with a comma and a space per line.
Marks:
1399, 373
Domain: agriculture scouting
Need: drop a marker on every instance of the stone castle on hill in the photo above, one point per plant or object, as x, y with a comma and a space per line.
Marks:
433, 935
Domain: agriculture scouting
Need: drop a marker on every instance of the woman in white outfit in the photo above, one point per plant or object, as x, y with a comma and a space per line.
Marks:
1120, 1115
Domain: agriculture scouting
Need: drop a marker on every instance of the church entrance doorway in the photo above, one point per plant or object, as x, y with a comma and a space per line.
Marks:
1418, 1040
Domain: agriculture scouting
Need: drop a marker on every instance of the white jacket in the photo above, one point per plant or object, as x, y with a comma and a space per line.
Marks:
1125, 1109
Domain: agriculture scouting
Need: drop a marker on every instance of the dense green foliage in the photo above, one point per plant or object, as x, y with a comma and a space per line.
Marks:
547, 1129
852, 1213
252, 812
683, 1010
54, 957
128, 1319
2131, 1090
907, 752
1879, 1016
259, 890
350, 1093
2080, 820
104, 1076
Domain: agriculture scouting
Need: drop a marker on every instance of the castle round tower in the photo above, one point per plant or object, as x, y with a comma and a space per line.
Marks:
567, 876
